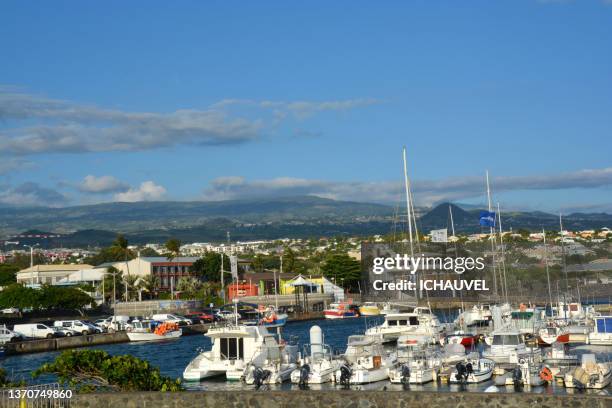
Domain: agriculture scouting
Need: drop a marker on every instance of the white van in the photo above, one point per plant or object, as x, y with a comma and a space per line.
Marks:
35, 330
77, 325
7, 335
166, 317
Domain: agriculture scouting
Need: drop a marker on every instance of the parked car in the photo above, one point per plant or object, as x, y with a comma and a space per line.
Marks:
65, 332
77, 325
166, 317
10, 310
7, 335
203, 317
118, 323
35, 330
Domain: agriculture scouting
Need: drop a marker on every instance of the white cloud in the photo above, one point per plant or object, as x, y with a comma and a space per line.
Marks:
45, 125
426, 192
148, 191
31, 194
102, 184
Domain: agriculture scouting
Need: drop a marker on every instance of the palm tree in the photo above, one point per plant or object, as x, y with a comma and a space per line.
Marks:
149, 283
173, 246
188, 285
130, 283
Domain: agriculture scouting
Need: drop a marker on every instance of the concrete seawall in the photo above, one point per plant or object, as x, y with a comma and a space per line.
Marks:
337, 399
62, 343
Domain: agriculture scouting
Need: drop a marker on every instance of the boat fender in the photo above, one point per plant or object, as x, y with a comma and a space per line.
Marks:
546, 374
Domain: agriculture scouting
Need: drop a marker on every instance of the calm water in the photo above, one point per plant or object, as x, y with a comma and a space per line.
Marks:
173, 356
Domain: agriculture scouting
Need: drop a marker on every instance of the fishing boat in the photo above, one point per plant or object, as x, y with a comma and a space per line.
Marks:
602, 332
421, 322
341, 311
472, 370
415, 364
271, 318
369, 309
365, 361
316, 364
149, 330
590, 374
233, 348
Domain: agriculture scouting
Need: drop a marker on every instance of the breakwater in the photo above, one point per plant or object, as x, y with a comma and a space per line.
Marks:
339, 398
63, 343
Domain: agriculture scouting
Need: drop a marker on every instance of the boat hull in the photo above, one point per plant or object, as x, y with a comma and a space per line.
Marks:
134, 336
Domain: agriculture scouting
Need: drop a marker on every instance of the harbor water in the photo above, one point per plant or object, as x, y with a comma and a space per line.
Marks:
173, 356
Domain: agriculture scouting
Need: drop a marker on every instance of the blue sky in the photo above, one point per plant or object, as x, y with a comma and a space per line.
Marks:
120, 101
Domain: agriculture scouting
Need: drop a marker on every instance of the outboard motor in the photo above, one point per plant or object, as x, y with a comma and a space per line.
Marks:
461, 372
260, 376
304, 373
517, 377
345, 374
405, 374
469, 369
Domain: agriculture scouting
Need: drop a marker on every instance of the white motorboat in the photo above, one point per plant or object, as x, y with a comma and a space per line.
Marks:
552, 334
274, 366
145, 330
508, 347
233, 348
526, 373
557, 356
590, 374
478, 315
415, 363
316, 365
472, 370
388, 309
421, 322
365, 361
602, 331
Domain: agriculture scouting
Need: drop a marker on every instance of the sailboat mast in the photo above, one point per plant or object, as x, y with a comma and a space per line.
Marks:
408, 205
503, 250
491, 236
547, 273
563, 253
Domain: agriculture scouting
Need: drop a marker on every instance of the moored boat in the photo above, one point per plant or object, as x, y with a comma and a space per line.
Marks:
153, 331
341, 311
369, 309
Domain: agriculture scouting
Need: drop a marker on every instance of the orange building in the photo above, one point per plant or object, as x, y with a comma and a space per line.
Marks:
238, 290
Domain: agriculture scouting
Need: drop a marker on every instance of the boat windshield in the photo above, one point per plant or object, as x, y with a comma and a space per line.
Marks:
506, 340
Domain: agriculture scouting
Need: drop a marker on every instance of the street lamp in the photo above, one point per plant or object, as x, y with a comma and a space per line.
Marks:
31, 260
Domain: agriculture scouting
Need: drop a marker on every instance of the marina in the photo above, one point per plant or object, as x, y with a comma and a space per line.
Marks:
175, 356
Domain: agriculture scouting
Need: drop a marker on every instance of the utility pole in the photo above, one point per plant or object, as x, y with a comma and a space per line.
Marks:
31, 260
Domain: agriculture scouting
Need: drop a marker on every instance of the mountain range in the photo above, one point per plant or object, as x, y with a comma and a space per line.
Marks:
292, 217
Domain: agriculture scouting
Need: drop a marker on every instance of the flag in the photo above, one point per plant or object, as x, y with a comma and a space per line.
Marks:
487, 219
440, 235
234, 266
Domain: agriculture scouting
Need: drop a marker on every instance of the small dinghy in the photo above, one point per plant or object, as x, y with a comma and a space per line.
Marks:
590, 374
